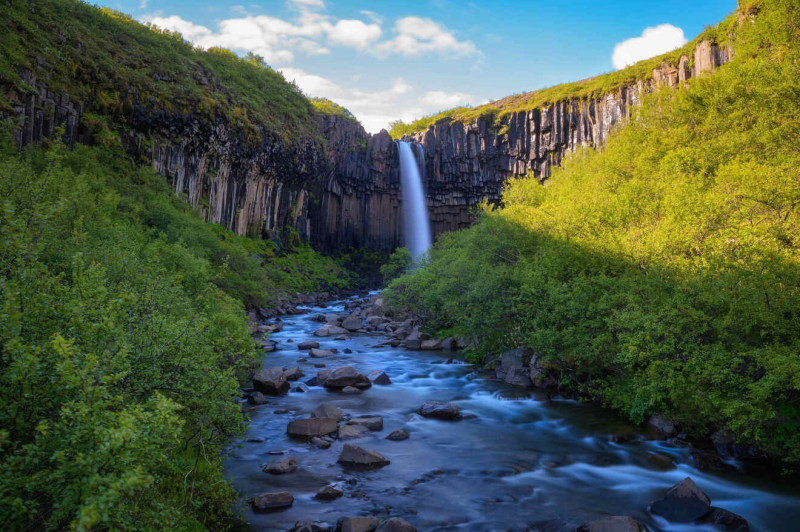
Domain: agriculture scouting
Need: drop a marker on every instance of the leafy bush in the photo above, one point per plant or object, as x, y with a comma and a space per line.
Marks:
661, 274
398, 263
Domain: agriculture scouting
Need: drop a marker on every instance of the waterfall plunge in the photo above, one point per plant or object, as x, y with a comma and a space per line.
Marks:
415, 209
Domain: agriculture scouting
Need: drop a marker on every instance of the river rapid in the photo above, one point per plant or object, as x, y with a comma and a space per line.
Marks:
516, 461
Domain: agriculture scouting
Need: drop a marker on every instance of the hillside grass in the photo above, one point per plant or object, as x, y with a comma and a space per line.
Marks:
588, 89
661, 274
109, 62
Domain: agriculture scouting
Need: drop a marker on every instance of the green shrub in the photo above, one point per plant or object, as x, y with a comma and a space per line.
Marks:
398, 263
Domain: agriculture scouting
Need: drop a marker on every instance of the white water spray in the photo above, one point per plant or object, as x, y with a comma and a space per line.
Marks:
415, 209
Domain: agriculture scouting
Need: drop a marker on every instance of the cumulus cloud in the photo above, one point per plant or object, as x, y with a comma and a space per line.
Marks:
353, 33
375, 109
373, 16
652, 42
416, 35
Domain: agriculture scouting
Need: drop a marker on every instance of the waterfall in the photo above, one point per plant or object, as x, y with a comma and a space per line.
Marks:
415, 208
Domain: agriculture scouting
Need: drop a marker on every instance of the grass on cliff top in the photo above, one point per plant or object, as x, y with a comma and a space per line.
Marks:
328, 107
108, 61
587, 89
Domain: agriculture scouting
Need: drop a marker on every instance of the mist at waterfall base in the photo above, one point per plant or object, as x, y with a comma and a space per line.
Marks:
415, 208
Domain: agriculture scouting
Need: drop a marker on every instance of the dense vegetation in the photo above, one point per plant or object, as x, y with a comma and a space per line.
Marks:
110, 62
328, 107
123, 335
587, 89
663, 273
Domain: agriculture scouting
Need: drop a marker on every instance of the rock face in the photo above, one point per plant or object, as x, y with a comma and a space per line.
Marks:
271, 381
355, 456
270, 502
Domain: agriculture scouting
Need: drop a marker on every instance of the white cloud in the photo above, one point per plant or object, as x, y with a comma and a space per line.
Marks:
653, 41
312, 3
143, 4
417, 35
354, 33
373, 16
375, 109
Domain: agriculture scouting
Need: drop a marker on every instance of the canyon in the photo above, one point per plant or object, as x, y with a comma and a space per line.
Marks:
342, 189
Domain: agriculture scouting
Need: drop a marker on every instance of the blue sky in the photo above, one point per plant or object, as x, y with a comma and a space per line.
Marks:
412, 58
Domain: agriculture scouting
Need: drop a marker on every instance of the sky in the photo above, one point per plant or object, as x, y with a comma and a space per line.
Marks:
404, 60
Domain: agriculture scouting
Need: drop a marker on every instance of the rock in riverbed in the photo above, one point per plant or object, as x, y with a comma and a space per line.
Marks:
308, 526
308, 428
351, 432
617, 523
257, 398
327, 410
320, 353
396, 524
271, 381
320, 443
357, 524
683, 503
379, 377
346, 376
308, 344
371, 422
398, 435
328, 493
355, 456
293, 374
439, 410
282, 466
270, 502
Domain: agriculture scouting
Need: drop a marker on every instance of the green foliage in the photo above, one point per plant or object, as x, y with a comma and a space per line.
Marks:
661, 274
326, 106
399, 262
123, 337
587, 89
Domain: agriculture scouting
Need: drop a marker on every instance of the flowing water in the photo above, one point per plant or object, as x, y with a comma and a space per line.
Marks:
522, 459
416, 227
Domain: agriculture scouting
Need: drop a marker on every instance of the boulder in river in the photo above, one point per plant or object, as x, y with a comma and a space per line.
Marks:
514, 368
320, 353
371, 422
355, 456
257, 398
271, 381
292, 374
328, 410
683, 503
398, 435
357, 524
271, 502
342, 337
449, 343
431, 345
352, 323
309, 526
308, 344
379, 377
282, 466
724, 521
346, 376
616, 523
320, 443
662, 426
322, 377
352, 432
310, 427
322, 332
439, 410
328, 493
336, 331
396, 524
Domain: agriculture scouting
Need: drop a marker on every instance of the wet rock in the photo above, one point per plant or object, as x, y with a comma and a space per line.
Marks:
320, 353
724, 521
413, 341
396, 524
708, 461
398, 435
431, 345
518, 377
282, 466
725, 444
270, 502
350, 390
379, 377
371, 422
301, 388
355, 456
352, 323
683, 503
257, 398
347, 351
308, 344
293, 374
256, 440
328, 493
342, 337
271, 381
351, 432
514, 368
617, 523
439, 410
346, 376
357, 524
662, 426
327, 410
319, 442
308, 428
623, 437
308, 526
336, 331
449, 343
661, 461
322, 377
322, 332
